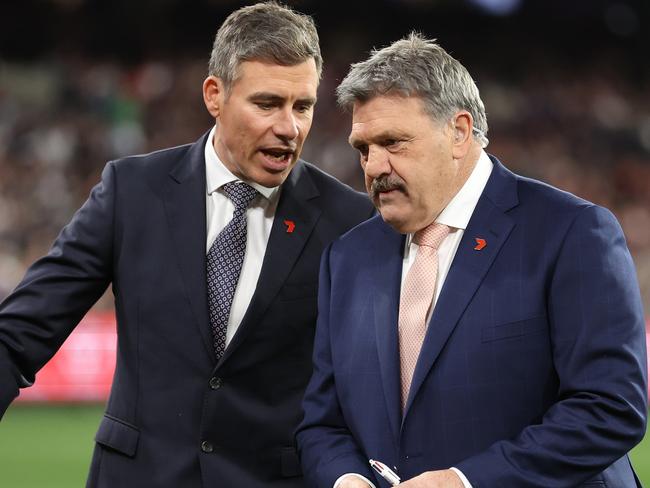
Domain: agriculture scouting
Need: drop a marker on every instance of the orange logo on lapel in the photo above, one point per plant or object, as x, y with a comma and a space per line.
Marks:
480, 243
291, 225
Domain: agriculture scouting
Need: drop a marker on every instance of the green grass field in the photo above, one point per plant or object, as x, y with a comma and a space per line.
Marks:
50, 446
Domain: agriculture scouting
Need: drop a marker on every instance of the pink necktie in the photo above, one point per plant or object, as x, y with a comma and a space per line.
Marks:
416, 298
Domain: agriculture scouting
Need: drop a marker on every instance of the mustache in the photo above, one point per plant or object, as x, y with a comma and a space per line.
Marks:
387, 183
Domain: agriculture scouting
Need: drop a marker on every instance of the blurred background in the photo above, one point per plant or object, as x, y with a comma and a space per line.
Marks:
565, 84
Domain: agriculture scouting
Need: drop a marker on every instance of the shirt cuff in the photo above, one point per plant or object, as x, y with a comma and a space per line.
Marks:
340, 480
462, 477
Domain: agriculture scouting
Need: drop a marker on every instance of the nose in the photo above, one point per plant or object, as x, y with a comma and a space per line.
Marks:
286, 126
377, 162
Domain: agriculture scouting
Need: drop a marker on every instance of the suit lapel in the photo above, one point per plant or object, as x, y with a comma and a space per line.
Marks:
299, 205
489, 222
387, 254
185, 207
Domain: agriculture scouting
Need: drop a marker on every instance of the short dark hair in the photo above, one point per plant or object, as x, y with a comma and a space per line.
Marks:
267, 31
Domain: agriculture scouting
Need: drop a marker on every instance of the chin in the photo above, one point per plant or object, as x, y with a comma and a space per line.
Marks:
398, 224
272, 180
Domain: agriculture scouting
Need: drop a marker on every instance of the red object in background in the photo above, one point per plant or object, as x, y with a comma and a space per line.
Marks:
82, 370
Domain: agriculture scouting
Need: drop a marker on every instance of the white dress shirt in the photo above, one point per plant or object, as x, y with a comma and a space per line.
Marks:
456, 215
259, 220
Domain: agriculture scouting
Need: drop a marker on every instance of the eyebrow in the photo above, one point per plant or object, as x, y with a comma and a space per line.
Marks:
355, 143
274, 98
387, 134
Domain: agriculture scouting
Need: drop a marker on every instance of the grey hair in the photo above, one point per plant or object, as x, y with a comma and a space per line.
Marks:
417, 66
266, 31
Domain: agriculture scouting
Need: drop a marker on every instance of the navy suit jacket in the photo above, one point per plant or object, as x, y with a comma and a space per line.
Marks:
176, 417
532, 372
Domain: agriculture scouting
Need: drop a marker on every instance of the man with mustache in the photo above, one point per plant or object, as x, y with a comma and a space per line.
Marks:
486, 330
212, 250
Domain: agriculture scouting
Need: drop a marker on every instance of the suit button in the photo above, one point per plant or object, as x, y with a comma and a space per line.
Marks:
215, 383
206, 446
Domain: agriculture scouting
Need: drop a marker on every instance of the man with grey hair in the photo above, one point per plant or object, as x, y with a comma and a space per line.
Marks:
212, 250
486, 329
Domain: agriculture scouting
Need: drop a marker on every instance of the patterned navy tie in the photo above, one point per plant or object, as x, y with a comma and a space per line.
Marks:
224, 262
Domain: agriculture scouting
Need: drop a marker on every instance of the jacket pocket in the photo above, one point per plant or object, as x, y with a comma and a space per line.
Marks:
118, 435
514, 329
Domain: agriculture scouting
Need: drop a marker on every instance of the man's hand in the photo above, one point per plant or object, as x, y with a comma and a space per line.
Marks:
351, 481
434, 479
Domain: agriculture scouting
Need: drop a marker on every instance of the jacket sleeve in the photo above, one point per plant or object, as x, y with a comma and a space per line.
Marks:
326, 446
598, 344
57, 291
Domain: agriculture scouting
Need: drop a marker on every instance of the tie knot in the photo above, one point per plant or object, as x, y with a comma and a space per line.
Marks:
240, 193
432, 235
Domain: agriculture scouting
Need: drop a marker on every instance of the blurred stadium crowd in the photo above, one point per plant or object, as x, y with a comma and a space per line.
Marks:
584, 127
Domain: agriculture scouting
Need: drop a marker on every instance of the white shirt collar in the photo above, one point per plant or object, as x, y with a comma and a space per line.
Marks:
217, 175
461, 207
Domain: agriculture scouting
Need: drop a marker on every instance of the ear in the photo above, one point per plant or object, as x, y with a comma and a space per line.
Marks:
462, 124
213, 95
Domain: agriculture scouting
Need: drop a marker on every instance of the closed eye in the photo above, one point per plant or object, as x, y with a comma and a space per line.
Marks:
304, 107
265, 105
266, 101
363, 149
392, 143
